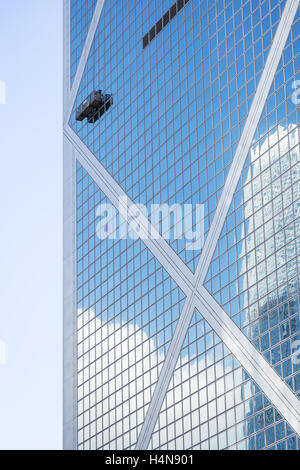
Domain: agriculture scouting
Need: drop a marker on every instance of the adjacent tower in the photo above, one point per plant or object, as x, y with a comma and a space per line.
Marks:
181, 104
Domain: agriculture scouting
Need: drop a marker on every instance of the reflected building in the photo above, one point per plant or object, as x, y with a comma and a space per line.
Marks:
166, 347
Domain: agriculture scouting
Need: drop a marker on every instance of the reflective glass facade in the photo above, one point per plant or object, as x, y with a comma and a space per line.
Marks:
181, 103
183, 80
255, 271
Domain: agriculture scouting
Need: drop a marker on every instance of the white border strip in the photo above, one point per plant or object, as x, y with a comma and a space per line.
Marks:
246, 139
83, 59
243, 346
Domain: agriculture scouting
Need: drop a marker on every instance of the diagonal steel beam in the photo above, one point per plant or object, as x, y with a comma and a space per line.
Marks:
167, 257
246, 139
248, 356
66, 53
243, 348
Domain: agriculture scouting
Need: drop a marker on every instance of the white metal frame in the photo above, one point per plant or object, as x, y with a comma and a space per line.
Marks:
191, 284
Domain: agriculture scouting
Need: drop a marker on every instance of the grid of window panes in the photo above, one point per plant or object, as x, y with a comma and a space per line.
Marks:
212, 403
128, 308
181, 103
255, 272
81, 16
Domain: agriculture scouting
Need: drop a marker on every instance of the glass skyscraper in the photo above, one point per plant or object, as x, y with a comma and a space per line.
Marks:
169, 345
